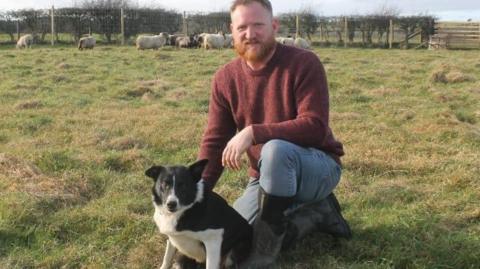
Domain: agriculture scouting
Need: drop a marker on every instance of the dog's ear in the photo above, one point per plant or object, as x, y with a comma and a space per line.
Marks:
154, 171
196, 169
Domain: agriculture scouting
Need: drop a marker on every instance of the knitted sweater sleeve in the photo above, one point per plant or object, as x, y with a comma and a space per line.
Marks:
310, 127
220, 129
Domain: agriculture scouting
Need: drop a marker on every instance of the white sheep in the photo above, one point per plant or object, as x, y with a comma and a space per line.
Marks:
201, 39
213, 41
87, 42
25, 41
285, 40
182, 42
301, 43
228, 41
151, 42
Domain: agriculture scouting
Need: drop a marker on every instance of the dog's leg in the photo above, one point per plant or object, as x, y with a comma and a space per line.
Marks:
168, 257
213, 249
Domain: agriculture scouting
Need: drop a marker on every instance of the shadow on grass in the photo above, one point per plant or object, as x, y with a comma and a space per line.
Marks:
420, 244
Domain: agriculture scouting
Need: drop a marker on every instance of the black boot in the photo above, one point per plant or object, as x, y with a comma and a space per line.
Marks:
323, 216
336, 225
269, 230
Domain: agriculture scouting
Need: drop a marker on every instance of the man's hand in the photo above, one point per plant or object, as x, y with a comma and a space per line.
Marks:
236, 147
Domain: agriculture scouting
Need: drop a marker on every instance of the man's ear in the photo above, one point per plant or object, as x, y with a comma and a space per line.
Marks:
196, 169
275, 25
154, 171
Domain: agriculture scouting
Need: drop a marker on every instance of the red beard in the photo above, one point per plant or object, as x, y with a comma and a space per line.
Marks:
242, 49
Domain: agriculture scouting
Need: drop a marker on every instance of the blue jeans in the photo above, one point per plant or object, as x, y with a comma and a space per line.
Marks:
287, 170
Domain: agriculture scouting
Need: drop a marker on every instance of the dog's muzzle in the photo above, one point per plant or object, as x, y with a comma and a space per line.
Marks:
172, 206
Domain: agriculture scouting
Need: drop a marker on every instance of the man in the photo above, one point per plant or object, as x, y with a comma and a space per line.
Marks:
276, 97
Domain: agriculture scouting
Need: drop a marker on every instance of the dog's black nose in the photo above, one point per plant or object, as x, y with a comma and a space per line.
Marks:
171, 205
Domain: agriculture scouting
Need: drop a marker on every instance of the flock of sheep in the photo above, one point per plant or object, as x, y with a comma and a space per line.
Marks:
204, 40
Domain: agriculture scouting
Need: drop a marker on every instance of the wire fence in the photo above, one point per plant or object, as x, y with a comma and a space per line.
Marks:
122, 26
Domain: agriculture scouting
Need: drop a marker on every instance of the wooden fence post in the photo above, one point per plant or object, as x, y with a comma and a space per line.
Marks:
122, 25
390, 36
185, 27
297, 26
321, 33
346, 33
52, 14
18, 30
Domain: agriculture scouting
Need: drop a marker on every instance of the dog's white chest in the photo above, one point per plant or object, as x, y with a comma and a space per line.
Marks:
192, 244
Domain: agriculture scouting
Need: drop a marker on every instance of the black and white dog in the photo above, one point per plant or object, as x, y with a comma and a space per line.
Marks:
198, 222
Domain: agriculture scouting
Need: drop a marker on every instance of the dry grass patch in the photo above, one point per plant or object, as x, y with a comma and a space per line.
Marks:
384, 91
139, 91
446, 73
148, 87
148, 97
22, 176
472, 214
156, 83
17, 168
457, 77
405, 114
125, 143
147, 254
128, 160
59, 78
439, 74
334, 116
29, 105
63, 66
475, 91
33, 104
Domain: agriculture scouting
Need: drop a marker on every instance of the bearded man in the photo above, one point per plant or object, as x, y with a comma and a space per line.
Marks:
272, 103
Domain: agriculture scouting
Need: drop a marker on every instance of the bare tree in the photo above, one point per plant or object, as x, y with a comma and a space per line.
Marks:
387, 10
382, 17
106, 15
8, 25
309, 22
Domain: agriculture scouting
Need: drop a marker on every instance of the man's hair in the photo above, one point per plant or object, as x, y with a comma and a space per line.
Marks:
265, 3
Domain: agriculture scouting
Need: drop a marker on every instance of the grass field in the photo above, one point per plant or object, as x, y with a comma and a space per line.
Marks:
78, 129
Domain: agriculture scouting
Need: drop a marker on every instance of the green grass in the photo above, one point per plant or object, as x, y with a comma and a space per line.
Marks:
78, 129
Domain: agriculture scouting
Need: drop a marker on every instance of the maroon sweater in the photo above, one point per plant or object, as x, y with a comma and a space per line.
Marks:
287, 99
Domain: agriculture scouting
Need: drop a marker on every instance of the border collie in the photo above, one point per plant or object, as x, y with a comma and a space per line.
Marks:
198, 222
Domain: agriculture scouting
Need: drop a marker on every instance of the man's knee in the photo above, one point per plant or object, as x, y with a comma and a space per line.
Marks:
278, 168
276, 151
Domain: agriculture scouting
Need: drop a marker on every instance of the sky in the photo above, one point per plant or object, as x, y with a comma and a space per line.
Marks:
447, 10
